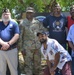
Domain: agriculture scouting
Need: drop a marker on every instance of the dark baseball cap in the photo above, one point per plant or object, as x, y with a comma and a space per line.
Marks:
6, 10
43, 33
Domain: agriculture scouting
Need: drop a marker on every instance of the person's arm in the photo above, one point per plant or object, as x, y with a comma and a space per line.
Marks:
56, 60
14, 39
1, 42
66, 30
21, 39
56, 51
71, 45
49, 64
70, 38
4, 45
16, 32
66, 23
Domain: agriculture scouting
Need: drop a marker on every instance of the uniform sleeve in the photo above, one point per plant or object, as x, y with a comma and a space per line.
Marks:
20, 42
42, 28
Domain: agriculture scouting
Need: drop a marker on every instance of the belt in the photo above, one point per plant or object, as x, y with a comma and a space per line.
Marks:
9, 48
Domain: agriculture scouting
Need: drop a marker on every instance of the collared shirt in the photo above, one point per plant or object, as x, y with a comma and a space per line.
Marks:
54, 47
70, 36
7, 32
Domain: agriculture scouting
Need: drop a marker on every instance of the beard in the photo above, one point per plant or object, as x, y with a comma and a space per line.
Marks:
6, 20
43, 41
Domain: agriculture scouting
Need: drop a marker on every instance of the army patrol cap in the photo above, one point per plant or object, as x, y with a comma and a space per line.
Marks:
43, 33
30, 9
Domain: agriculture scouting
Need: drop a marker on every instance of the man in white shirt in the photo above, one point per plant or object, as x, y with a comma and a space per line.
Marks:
55, 55
70, 39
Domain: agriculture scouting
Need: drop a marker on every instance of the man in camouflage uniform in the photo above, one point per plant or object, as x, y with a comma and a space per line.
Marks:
29, 42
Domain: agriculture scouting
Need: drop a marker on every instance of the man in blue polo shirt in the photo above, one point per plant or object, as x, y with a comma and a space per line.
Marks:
9, 34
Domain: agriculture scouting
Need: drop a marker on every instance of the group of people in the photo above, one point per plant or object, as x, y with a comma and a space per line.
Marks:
55, 52
33, 40
9, 34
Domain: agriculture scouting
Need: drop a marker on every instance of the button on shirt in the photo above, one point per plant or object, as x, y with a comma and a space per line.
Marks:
70, 37
54, 47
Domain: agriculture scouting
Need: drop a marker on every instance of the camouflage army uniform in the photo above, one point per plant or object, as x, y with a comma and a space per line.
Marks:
29, 42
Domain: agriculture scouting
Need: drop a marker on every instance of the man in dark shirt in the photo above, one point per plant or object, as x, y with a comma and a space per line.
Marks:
9, 34
56, 25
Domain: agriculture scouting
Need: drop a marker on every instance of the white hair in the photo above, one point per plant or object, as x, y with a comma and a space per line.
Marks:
6, 20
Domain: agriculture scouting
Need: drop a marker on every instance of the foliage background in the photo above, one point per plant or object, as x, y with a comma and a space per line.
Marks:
17, 7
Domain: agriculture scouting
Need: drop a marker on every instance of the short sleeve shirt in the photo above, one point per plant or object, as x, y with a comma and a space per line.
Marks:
54, 47
70, 36
56, 27
8, 31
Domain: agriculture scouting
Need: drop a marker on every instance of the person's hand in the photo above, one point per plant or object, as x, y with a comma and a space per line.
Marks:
5, 46
52, 74
52, 71
23, 52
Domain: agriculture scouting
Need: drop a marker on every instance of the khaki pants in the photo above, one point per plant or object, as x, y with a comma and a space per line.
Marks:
10, 58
